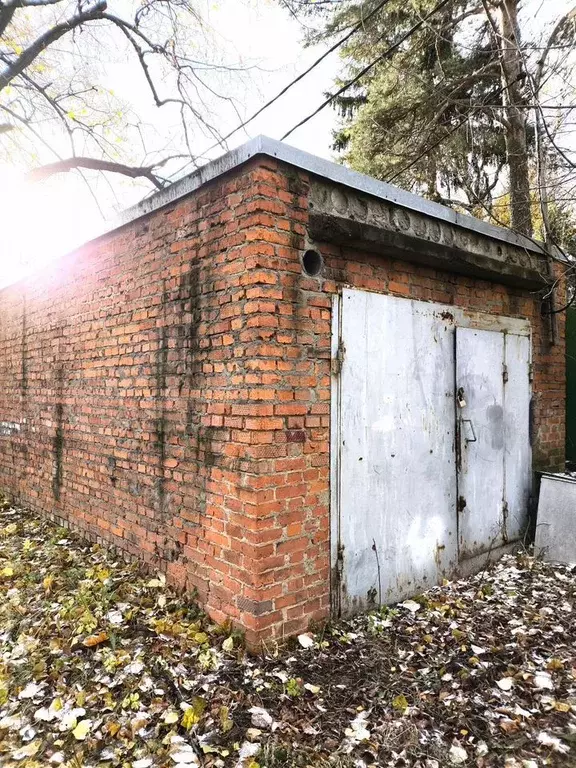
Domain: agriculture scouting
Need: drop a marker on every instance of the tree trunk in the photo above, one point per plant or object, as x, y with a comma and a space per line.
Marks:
516, 140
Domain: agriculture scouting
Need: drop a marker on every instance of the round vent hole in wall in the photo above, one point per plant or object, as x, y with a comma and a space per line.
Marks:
312, 263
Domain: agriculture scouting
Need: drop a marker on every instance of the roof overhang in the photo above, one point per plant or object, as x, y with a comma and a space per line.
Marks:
362, 212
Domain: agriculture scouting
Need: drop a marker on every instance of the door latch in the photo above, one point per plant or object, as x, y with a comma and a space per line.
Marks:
472, 439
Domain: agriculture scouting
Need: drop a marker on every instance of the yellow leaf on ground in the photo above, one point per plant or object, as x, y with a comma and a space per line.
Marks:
82, 729
93, 640
193, 714
400, 703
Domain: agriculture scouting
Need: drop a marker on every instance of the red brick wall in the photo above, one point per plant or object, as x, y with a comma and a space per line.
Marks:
173, 383
133, 380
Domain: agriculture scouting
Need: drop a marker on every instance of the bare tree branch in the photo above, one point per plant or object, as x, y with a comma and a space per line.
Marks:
11, 4
16, 67
94, 164
6, 15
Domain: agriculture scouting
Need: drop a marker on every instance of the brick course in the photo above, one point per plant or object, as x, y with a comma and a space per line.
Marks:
172, 383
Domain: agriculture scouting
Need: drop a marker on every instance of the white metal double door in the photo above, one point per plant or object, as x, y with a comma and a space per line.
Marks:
432, 460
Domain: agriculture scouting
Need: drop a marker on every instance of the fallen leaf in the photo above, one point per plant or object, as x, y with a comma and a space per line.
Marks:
543, 680
358, 730
552, 741
185, 755
193, 714
458, 755
29, 691
82, 729
28, 751
400, 703
115, 617
93, 640
261, 718
505, 684
306, 640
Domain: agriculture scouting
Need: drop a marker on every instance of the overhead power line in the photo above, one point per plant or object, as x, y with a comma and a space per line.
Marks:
356, 28
502, 224
450, 132
392, 49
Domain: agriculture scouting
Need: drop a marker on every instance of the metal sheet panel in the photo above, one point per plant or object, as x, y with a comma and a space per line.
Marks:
555, 539
397, 466
518, 453
479, 380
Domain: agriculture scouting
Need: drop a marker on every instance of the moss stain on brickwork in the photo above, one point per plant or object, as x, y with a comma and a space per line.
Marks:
160, 429
24, 355
58, 439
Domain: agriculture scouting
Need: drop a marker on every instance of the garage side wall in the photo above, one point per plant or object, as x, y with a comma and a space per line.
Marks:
127, 407
294, 568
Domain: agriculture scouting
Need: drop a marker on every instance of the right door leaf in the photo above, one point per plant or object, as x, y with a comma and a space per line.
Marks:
480, 436
493, 446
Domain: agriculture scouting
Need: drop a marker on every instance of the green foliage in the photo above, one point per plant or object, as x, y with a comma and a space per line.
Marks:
431, 118
418, 118
294, 687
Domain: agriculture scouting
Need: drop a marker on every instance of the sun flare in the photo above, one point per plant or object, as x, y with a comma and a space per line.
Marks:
39, 223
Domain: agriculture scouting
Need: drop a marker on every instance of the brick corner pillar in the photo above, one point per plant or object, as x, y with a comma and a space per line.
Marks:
549, 350
284, 490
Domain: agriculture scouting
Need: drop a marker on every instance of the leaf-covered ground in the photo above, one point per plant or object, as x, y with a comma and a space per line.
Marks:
103, 665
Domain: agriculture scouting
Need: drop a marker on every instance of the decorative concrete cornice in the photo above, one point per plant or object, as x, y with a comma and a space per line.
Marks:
342, 215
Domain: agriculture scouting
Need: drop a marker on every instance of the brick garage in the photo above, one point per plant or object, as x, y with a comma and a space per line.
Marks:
167, 387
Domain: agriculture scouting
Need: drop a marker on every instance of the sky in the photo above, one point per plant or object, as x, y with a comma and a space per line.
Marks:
42, 221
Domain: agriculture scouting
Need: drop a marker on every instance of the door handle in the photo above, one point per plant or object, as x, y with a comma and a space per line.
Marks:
473, 439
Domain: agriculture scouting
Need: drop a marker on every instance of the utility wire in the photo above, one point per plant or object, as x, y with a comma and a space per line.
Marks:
453, 129
300, 77
447, 135
368, 67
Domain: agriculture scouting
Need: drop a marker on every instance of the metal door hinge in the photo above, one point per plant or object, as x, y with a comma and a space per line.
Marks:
340, 561
530, 372
504, 373
505, 512
338, 360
